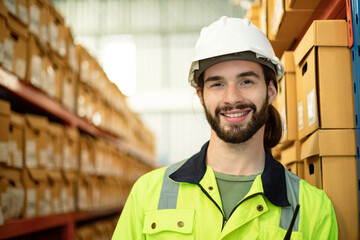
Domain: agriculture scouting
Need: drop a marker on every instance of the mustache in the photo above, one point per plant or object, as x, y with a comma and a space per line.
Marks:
238, 106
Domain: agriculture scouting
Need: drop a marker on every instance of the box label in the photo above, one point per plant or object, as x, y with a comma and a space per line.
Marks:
44, 157
30, 154
57, 205
4, 152
12, 202
62, 48
64, 200
11, 6
16, 154
36, 63
67, 157
18, 158
300, 115
45, 204
20, 68
75, 163
44, 34
34, 20
54, 32
50, 154
8, 54
49, 81
284, 121
30, 203
57, 161
23, 14
311, 107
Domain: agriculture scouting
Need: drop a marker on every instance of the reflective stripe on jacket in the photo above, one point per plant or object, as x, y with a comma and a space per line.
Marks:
182, 201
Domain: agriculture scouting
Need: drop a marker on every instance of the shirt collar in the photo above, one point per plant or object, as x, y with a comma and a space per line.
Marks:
273, 176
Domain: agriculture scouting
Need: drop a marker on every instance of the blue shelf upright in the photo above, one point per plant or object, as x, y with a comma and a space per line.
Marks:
355, 55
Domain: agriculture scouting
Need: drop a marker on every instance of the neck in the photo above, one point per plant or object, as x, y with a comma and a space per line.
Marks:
247, 158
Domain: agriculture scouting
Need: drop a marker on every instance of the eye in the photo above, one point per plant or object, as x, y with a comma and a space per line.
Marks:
216, 84
246, 82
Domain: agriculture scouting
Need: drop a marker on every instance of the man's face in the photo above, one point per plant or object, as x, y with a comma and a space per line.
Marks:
235, 98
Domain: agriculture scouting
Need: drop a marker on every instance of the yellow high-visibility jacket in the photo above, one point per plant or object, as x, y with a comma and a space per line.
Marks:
182, 201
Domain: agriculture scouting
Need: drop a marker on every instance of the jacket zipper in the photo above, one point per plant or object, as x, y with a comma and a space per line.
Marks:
207, 194
251, 196
224, 219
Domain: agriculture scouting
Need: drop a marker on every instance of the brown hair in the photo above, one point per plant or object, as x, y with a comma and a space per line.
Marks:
273, 126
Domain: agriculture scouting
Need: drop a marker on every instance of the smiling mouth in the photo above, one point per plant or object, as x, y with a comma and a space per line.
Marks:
234, 115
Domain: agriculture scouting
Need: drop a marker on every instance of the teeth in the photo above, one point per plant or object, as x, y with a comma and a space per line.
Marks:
235, 114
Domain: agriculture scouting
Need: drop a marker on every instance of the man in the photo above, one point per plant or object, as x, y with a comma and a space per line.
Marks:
232, 188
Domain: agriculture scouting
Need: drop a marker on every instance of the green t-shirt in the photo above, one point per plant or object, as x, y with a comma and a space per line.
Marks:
233, 188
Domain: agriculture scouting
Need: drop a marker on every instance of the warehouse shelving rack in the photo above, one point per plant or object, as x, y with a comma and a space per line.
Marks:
34, 97
327, 9
355, 55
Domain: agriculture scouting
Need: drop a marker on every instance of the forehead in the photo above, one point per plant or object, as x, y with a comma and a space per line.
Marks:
235, 67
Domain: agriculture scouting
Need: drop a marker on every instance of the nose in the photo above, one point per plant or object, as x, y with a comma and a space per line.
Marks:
232, 95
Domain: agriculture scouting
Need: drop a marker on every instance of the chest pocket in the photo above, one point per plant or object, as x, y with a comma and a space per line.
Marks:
169, 224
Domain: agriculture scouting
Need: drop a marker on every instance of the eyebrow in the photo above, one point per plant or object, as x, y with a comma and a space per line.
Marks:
240, 75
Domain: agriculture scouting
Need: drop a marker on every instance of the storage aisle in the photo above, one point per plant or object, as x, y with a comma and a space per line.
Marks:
71, 148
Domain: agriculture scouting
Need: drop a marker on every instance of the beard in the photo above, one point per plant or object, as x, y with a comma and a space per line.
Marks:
238, 133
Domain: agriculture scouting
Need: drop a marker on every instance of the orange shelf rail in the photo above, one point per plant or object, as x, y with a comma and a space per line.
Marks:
67, 222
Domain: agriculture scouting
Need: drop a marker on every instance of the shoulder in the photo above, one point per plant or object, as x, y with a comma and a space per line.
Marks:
155, 177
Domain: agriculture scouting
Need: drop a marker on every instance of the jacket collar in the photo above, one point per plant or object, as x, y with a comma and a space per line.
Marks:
273, 176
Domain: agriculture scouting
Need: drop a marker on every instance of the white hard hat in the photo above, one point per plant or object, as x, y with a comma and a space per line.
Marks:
232, 38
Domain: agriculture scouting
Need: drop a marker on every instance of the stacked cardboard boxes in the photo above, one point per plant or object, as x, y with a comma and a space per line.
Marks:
317, 107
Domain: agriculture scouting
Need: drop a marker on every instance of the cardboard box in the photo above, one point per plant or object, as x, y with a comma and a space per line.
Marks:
87, 161
296, 168
3, 36
72, 52
282, 45
57, 33
330, 164
14, 49
39, 17
37, 193
36, 63
56, 185
286, 99
16, 16
84, 61
303, 4
291, 153
253, 14
36, 151
84, 193
71, 149
57, 133
57, 64
15, 9
4, 132
69, 86
320, 98
83, 108
11, 194
16, 140
68, 197
285, 22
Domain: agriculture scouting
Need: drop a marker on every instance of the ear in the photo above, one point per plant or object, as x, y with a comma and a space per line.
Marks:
200, 95
272, 93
